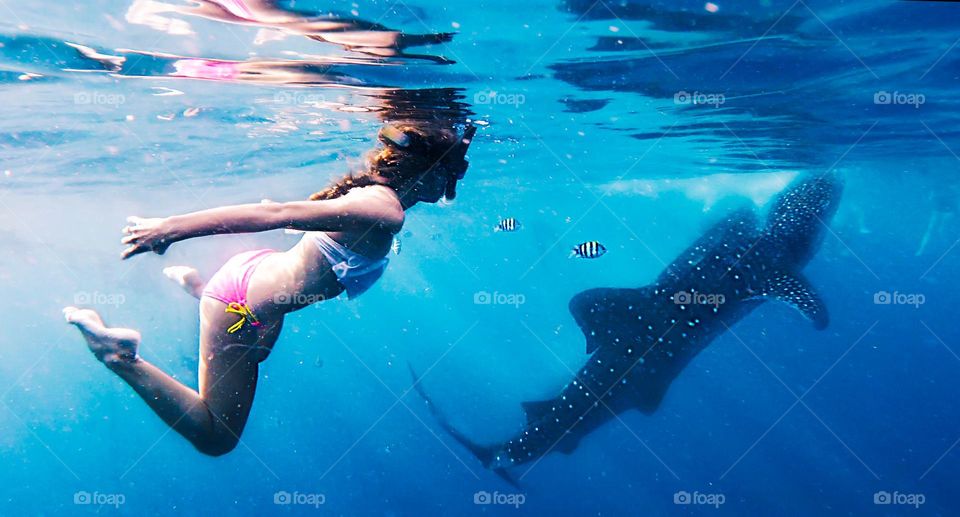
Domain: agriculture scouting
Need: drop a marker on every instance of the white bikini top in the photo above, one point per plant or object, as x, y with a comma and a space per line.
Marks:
356, 272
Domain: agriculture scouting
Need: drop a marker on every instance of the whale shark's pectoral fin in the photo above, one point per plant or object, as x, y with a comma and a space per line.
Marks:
796, 292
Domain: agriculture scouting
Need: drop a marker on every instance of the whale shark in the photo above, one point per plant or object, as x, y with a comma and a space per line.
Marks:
640, 339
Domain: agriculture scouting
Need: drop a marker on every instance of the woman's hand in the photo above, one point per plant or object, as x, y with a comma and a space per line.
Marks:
143, 235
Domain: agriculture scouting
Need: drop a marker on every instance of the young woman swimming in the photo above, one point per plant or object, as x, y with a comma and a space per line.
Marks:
348, 230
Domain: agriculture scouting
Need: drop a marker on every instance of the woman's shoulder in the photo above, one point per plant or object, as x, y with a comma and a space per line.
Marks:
380, 203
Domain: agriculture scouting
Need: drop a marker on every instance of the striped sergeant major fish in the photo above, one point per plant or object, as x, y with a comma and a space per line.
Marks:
509, 224
589, 249
396, 245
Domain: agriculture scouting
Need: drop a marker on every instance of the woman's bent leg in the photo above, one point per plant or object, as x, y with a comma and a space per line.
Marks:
187, 278
213, 418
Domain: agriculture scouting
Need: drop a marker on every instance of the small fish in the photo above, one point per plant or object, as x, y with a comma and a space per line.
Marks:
589, 249
507, 225
395, 247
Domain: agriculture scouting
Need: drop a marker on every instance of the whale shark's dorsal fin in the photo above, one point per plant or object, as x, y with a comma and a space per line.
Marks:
534, 409
795, 291
601, 310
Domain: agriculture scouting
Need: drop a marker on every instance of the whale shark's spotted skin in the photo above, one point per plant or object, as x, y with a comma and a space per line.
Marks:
639, 340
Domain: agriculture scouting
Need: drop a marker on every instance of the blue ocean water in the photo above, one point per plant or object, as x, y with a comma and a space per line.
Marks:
635, 123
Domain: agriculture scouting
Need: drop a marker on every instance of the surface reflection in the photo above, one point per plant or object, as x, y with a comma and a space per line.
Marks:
345, 30
359, 72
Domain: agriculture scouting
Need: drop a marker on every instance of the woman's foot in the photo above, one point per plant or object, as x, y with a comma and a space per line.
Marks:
187, 278
111, 346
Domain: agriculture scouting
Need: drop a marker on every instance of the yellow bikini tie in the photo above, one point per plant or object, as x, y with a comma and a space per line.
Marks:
246, 316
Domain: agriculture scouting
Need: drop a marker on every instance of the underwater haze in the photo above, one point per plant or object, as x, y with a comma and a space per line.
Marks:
638, 124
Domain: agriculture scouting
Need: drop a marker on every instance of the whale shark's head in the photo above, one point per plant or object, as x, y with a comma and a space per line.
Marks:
799, 216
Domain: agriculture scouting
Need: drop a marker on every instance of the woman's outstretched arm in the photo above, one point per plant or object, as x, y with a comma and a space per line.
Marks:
341, 214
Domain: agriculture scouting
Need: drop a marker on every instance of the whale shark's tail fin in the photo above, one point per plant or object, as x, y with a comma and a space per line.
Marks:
483, 453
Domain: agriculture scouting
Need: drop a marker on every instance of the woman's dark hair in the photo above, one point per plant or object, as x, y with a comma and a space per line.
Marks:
409, 153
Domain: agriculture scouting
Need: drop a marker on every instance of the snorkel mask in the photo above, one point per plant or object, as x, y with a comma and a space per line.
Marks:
451, 161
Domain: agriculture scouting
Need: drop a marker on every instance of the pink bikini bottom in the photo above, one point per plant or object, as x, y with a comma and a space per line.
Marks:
229, 283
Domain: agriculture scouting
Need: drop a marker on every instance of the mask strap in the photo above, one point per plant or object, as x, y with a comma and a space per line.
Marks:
395, 136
